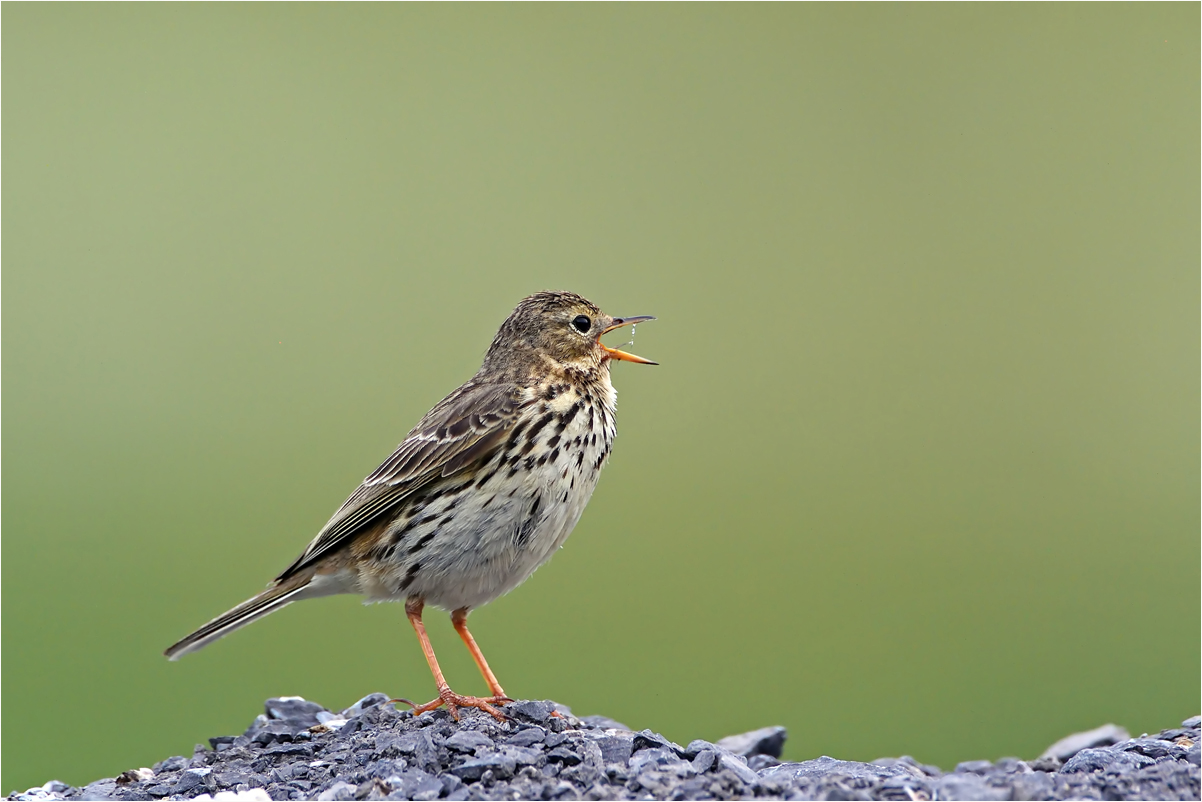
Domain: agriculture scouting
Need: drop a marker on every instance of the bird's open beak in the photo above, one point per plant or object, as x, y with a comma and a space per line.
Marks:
614, 353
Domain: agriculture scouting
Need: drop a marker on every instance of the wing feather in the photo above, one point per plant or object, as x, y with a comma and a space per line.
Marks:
462, 430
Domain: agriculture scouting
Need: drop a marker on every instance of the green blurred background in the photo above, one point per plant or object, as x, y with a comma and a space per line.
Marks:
919, 472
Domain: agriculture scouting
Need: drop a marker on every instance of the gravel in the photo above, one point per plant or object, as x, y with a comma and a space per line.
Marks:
299, 750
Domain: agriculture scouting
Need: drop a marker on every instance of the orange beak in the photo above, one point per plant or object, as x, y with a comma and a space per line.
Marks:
614, 353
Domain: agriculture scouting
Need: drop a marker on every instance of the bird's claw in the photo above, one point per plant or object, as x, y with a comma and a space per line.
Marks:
454, 701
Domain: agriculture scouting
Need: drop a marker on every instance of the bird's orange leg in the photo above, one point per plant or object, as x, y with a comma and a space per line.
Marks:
459, 619
446, 696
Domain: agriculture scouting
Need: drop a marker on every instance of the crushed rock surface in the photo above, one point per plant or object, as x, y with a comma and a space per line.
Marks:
299, 750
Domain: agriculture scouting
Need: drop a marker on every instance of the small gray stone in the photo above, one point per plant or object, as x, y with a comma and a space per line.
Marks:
523, 756
107, 789
428, 789
398, 783
501, 766
1106, 735
591, 755
527, 737
289, 749
228, 779
468, 741
452, 784
564, 754
732, 763
274, 732
296, 711
766, 741
974, 767
176, 763
369, 701
389, 770
191, 779
704, 761
1090, 760
646, 739
338, 792
1154, 748
1192, 722
615, 749
535, 712
655, 758
158, 789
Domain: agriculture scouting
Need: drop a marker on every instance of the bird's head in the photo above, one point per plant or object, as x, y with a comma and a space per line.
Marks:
563, 327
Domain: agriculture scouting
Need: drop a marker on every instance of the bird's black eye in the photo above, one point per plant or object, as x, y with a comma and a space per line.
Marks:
581, 323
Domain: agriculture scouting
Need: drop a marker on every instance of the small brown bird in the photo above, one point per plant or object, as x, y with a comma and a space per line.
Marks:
480, 494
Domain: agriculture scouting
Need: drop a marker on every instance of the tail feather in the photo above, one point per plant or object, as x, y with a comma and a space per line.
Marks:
252, 609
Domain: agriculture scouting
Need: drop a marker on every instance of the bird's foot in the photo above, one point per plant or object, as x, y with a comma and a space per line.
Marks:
454, 701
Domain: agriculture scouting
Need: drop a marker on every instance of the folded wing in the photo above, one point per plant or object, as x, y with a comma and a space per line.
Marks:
463, 430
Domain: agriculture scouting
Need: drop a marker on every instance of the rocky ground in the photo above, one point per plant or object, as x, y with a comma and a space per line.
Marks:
299, 750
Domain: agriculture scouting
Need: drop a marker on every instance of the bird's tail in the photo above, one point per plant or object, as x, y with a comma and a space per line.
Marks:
270, 600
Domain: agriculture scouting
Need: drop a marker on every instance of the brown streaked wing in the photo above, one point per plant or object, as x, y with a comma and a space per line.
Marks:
461, 430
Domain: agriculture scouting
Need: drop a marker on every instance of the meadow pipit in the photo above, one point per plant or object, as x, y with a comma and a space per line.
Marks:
481, 493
